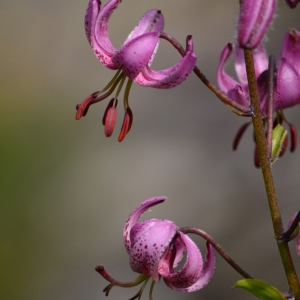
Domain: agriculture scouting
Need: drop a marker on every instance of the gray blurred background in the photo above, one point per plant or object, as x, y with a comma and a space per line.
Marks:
66, 190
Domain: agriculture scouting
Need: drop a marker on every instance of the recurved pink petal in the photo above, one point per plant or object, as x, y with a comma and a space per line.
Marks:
225, 82
92, 12
190, 273
207, 271
99, 38
263, 89
151, 21
134, 217
171, 77
149, 247
239, 95
260, 62
136, 54
288, 86
291, 48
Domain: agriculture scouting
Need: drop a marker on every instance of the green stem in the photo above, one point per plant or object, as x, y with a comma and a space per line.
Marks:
268, 177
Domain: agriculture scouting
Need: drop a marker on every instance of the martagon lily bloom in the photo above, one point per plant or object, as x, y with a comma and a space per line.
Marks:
286, 85
132, 61
155, 248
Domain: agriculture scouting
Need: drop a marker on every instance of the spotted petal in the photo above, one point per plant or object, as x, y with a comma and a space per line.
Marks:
151, 21
136, 54
171, 77
134, 217
189, 273
150, 240
96, 26
192, 276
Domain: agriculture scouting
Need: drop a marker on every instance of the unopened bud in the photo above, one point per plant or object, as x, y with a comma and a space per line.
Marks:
255, 18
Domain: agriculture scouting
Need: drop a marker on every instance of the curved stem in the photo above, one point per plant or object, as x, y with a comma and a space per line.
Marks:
241, 110
220, 250
268, 176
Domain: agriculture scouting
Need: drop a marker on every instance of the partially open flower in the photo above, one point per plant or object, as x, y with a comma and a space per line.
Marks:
286, 85
132, 60
155, 249
254, 20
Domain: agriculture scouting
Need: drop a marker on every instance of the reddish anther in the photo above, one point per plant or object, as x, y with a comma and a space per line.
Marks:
239, 135
84, 106
110, 121
293, 137
109, 105
256, 158
127, 122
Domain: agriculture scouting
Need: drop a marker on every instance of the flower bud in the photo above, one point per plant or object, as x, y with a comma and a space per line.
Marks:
254, 20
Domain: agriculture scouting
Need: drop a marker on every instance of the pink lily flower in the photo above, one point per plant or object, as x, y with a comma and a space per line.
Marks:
255, 18
132, 60
286, 86
156, 247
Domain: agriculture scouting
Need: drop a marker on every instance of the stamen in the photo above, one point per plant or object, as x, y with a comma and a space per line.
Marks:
111, 103
256, 158
127, 122
151, 290
109, 92
293, 137
137, 281
120, 85
111, 82
140, 292
239, 135
84, 106
126, 93
94, 98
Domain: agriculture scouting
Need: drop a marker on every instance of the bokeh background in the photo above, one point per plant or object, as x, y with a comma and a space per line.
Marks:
66, 190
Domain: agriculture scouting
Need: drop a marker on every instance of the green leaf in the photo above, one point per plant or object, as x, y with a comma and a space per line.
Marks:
279, 134
260, 289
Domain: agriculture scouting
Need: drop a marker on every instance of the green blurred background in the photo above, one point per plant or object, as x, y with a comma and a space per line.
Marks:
66, 190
